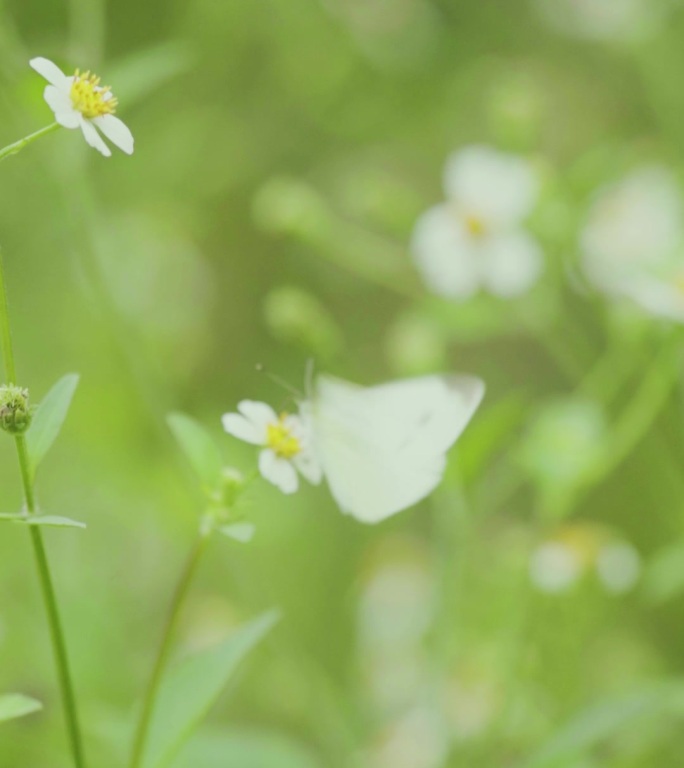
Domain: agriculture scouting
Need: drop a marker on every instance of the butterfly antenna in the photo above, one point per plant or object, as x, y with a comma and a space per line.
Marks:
309, 377
280, 382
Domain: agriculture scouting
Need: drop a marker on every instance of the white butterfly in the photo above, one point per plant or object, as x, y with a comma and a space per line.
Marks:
383, 448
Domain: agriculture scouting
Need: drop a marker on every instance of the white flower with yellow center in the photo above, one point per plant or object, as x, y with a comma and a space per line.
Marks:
476, 239
633, 242
286, 442
81, 102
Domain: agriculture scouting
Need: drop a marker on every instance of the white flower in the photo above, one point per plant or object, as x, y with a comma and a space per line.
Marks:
618, 566
632, 242
286, 441
81, 102
475, 240
615, 20
555, 567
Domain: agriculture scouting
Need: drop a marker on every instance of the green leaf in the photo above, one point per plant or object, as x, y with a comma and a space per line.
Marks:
51, 521
242, 532
49, 418
142, 73
199, 447
246, 749
13, 705
609, 719
193, 687
12, 516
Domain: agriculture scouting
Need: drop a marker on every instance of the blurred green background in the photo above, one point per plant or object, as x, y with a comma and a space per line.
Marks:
284, 150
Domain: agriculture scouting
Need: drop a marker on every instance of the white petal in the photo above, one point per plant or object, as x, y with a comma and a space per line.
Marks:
116, 131
260, 414
499, 188
658, 297
93, 137
512, 263
444, 255
60, 103
633, 225
307, 463
51, 72
278, 471
238, 426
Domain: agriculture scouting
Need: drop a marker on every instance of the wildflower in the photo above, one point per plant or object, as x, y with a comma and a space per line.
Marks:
631, 243
604, 20
555, 567
285, 439
576, 550
475, 240
15, 412
618, 566
81, 102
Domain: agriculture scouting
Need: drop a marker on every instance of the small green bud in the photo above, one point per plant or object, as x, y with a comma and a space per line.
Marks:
15, 412
232, 486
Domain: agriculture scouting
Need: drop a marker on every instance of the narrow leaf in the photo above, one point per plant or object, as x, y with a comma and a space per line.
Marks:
13, 705
242, 532
49, 418
610, 719
11, 516
51, 521
194, 686
246, 749
199, 447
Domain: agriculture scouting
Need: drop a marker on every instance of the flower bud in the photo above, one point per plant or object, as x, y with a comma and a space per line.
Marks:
232, 485
15, 412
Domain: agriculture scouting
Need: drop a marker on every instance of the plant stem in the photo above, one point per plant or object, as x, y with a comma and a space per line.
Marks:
7, 350
17, 146
150, 697
42, 565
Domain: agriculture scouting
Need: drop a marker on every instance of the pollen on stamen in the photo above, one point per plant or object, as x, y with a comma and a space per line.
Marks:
281, 440
90, 98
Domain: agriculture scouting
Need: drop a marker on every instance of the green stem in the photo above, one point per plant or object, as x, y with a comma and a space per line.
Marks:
154, 684
43, 568
12, 149
7, 350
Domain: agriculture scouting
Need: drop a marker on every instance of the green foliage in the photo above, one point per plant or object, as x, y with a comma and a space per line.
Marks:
13, 705
199, 448
49, 418
248, 749
192, 688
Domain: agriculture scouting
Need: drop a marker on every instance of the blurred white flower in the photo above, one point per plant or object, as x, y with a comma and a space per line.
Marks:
603, 19
475, 240
470, 704
81, 102
418, 739
555, 567
395, 609
618, 566
286, 440
632, 244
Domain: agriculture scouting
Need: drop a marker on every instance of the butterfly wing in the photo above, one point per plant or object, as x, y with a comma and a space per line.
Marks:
384, 448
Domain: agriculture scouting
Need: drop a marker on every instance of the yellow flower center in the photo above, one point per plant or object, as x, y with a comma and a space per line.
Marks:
280, 440
90, 98
474, 225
